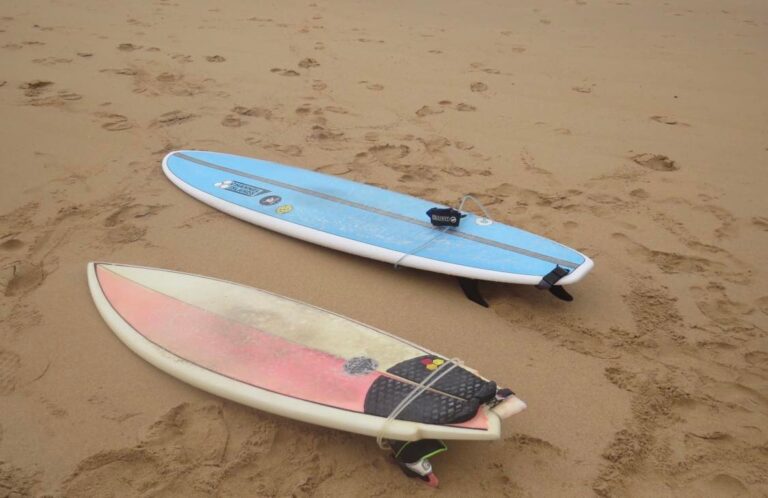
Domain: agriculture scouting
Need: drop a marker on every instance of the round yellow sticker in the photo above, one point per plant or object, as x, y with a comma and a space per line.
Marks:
284, 209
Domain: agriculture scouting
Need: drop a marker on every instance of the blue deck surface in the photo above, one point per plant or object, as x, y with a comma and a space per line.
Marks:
367, 214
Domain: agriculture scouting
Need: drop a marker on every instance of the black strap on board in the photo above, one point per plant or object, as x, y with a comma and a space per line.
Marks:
445, 217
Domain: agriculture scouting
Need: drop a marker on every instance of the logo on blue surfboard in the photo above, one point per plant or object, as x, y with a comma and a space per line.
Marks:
242, 188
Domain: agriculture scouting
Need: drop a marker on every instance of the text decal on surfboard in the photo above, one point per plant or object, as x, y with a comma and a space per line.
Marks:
241, 188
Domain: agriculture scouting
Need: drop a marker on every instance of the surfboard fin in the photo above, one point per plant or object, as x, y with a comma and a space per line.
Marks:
469, 286
549, 281
559, 292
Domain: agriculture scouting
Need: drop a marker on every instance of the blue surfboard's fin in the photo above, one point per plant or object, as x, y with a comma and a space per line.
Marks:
469, 286
549, 281
559, 292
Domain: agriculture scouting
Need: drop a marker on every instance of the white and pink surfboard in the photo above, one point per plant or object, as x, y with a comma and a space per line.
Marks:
282, 356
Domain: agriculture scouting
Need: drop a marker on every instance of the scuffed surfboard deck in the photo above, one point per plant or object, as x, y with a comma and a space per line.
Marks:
280, 355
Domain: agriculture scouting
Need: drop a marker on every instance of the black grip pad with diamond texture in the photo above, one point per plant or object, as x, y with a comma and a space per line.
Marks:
429, 407
458, 382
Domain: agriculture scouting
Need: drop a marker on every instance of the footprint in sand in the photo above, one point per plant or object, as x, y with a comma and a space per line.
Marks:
65, 95
122, 231
35, 87
57, 100
434, 144
11, 243
308, 62
427, 111
232, 121
51, 61
21, 277
131, 211
322, 134
215, 58
173, 118
128, 47
284, 72
125, 234
126, 71
116, 122
457, 171
136, 22
290, 150
9, 366
304, 109
582, 89
670, 262
714, 303
478, 86
757, 359
179, 454
334, 169
184, 58
254, 112
168, 77
762, 304
761, 223
389, 153
668, 121
335, 109
656, 162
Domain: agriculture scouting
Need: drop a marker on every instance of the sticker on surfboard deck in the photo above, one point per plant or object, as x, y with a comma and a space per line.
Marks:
241, 188
270, 200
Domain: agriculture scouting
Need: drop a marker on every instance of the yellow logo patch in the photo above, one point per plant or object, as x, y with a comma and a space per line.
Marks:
284, 209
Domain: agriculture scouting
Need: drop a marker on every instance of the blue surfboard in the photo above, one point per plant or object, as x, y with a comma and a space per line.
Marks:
370, 221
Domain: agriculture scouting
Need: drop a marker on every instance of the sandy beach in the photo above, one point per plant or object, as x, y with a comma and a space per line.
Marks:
635, 132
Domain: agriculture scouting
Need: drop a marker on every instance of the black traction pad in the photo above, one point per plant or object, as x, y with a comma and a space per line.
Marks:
429, 407
458, 382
